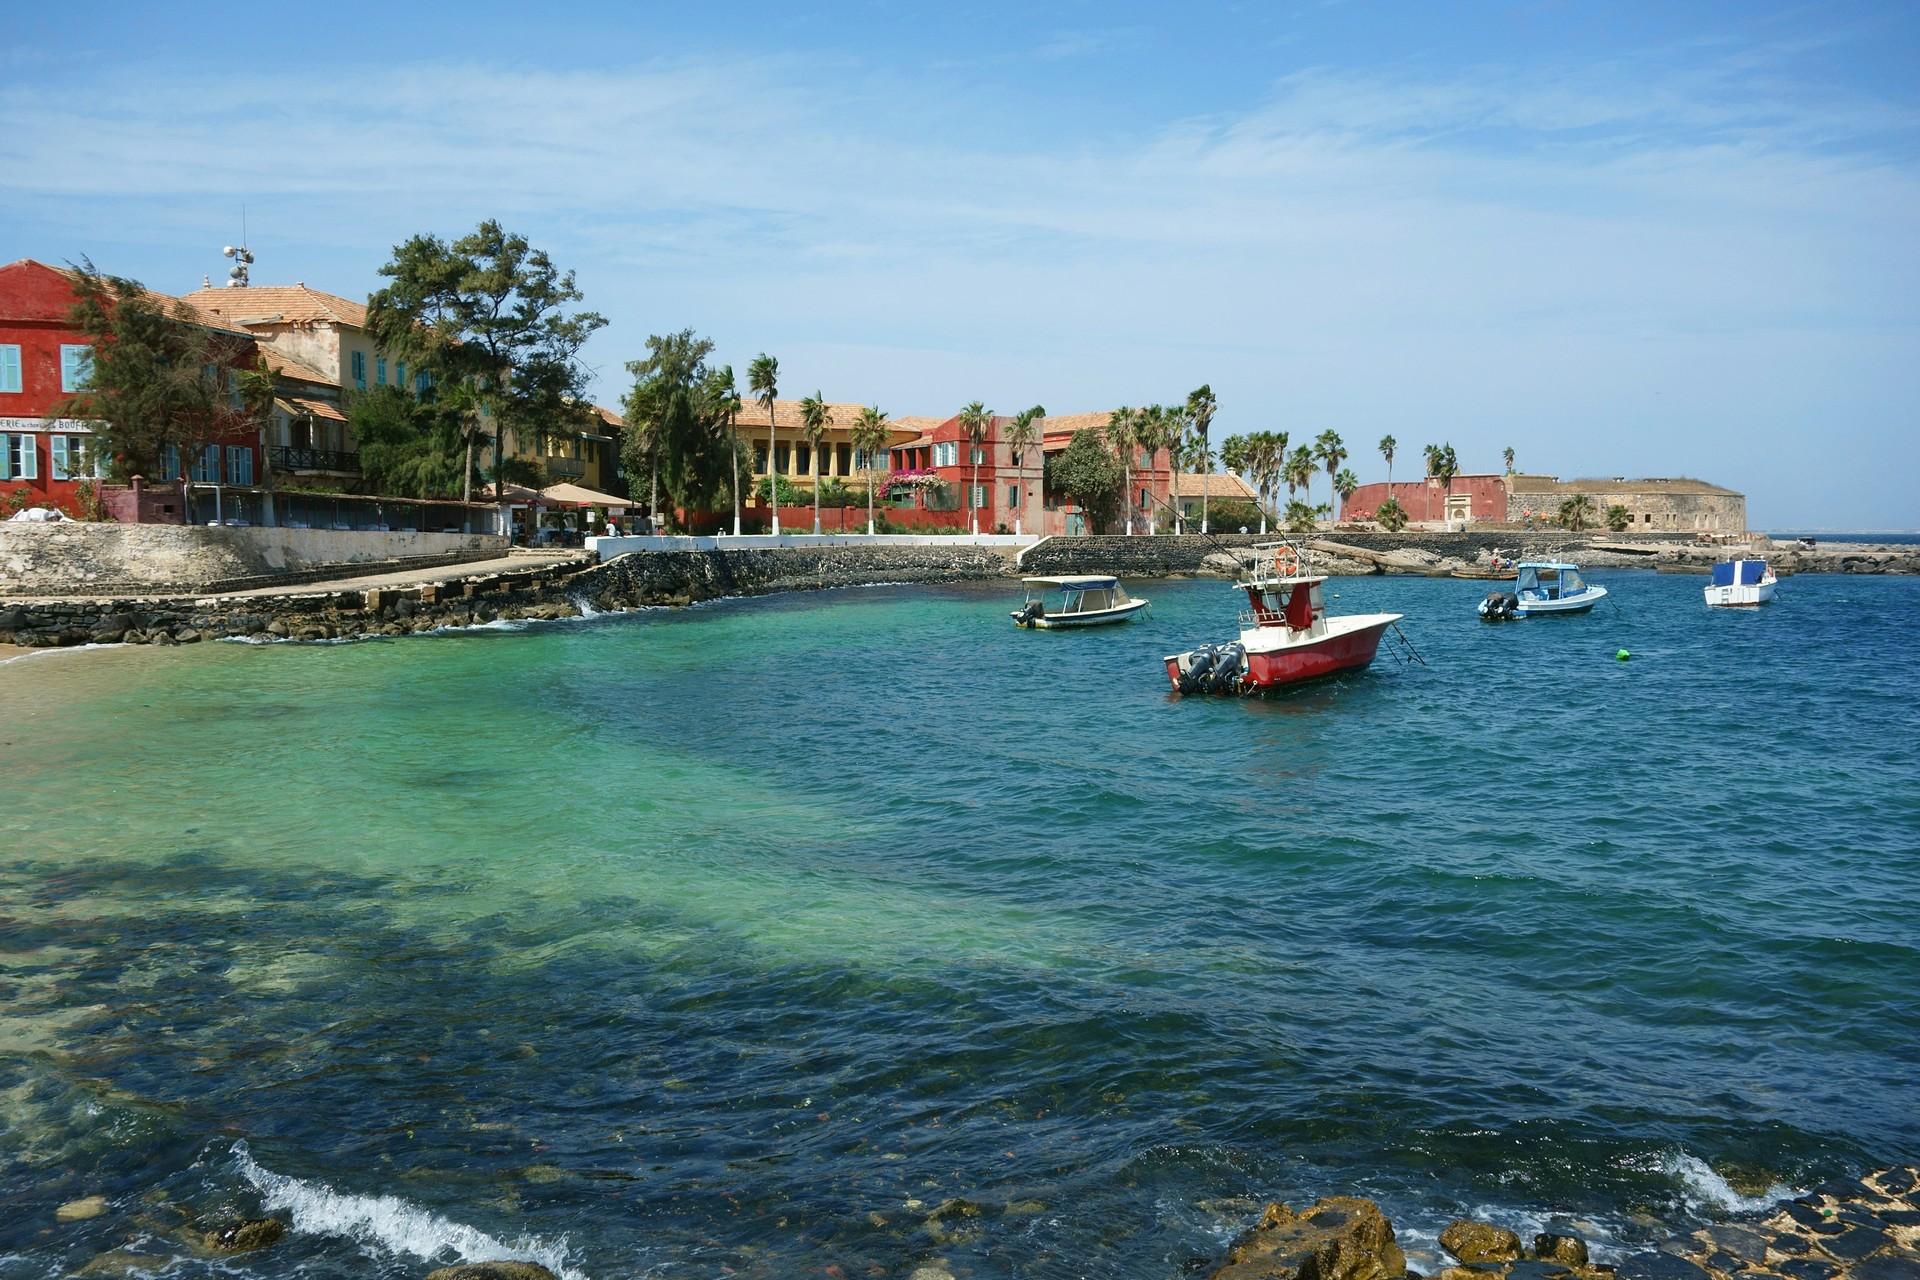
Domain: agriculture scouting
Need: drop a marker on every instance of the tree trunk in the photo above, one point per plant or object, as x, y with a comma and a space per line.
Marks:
869, 502
815, 460
1173, 469
653, 494
973, 482
1126, 480
735, 441
466, 489
773, 472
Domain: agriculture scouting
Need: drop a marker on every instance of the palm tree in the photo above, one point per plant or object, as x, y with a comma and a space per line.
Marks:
1201, 407
1445, 468
1387, 445
815, 418
1576, 511
1332, 452
1022, 435
1270, 459
1172, 433
976, 420
1125, 434
870, 435
763, 379
1298, 471
1431, 453
726, 410
1506, 455
1151, 432
1344, 484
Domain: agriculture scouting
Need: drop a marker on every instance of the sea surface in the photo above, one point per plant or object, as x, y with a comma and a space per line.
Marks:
733, 940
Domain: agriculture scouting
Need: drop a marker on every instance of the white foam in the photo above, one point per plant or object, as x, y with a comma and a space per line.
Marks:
393, 1224
1702, 1188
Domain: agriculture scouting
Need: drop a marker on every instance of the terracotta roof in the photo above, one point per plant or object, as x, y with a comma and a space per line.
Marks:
609, 417
786, 416
1646, 484
318, 408
286, 366
279, 304
1217, 485
1065, 424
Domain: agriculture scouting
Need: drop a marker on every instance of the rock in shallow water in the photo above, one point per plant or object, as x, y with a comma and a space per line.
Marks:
1549, 1247
81, 1209
1337, 1238
251, 1233
1472, 1241
493, 1271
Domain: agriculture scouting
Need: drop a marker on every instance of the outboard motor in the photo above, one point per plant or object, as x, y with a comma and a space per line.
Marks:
1499, 606
1032, 612
1225, 677
1199, 664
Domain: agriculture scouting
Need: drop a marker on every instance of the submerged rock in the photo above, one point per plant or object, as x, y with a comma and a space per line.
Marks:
1472, 1241
81, 1209
493, 1271
1336, 1238
245, 1235
1549, 1247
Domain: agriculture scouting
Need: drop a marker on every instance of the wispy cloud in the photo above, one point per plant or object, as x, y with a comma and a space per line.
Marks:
1512, 250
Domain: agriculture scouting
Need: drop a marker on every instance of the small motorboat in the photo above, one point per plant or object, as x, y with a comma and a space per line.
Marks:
1078, 600
1286, 636
1741, 583
1546, 587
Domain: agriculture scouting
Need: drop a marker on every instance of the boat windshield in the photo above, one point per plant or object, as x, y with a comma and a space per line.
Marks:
1570, 583
1080, 601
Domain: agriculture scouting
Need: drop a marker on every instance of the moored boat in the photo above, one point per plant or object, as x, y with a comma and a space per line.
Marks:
1078, 600
1740, 583
1546, 587
1285, 635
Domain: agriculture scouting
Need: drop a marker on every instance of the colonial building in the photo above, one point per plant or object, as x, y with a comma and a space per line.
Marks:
1480, 497
44, 360
794, 455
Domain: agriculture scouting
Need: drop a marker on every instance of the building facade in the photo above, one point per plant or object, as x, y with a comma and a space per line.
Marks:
44, 359
1654, 504
1468, 499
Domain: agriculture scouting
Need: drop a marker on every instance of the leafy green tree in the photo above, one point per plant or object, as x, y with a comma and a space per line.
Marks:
410, 447
490, 310
1618, 518
1233, 454
1391, 516
1300, 516
1201, 407
1331, 451
1576, 512
763, 380
1023, 433
674, 412
157, 379
1088, 473
977, 421
815, 418
871, 432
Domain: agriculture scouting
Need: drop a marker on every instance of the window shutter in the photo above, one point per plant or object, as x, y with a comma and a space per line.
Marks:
10, 367
29, 458
6, 457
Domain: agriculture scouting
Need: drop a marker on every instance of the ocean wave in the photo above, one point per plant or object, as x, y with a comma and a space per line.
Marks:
392, 1223
1702, 1188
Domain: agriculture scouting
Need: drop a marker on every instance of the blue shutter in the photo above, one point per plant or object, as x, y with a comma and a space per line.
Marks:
76, 366
10, 367
57, 457
6, 457
29, 458
380, 370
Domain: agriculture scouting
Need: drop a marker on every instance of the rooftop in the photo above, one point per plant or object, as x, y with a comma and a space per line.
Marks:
279, 304
1617, 484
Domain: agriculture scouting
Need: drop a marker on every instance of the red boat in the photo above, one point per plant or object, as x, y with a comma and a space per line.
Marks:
1285, 636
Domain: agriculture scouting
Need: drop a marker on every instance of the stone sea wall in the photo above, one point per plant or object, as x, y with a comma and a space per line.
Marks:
543, 591
79, 558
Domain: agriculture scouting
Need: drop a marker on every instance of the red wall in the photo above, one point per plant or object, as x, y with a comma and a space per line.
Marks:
34, 303
1426, 499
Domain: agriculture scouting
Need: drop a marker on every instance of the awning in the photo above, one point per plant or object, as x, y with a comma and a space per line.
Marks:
316, 408
574, 495
514, 493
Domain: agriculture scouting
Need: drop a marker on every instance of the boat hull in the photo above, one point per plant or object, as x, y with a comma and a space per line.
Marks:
1095, 618
1268, 667
1551, 608
1749, 596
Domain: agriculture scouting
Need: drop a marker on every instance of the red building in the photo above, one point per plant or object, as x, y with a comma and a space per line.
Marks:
44, 360
1469, 498
942, 470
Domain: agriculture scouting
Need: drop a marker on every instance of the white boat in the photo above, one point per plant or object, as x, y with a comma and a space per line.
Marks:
1075, 600
1546, 587
1285, 636
1741, 582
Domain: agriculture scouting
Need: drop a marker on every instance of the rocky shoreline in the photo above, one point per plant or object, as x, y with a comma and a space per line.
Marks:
1848, 1229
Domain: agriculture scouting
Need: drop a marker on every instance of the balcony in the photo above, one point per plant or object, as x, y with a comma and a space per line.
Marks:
285, 457
566, 468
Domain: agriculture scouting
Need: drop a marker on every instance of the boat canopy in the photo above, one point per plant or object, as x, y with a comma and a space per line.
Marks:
1076, 582
1547, 564
1747, 573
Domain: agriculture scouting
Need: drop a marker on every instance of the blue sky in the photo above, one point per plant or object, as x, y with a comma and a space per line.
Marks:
1624, 239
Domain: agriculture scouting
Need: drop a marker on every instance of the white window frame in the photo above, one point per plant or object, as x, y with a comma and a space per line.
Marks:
977, 455
19, 458
979, 497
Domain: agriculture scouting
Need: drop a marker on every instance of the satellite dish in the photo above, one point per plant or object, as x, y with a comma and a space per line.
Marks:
226, 251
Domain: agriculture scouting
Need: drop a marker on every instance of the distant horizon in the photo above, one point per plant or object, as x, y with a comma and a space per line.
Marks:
1639, 241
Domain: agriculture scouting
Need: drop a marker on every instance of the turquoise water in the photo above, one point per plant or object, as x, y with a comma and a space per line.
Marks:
738, 937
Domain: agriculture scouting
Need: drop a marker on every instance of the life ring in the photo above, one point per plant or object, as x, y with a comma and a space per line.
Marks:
1286, 563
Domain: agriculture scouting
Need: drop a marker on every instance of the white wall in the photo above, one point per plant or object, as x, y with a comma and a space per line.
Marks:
608, 548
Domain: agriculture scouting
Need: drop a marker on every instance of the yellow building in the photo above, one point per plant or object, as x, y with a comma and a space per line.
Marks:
590, 459
836, 459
